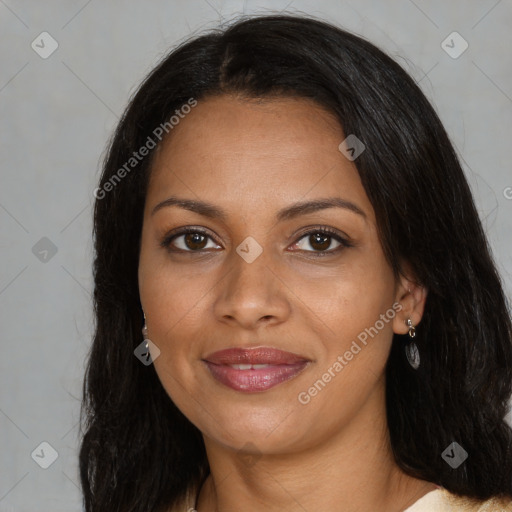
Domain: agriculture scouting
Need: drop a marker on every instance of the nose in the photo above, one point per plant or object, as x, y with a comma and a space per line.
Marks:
252, 294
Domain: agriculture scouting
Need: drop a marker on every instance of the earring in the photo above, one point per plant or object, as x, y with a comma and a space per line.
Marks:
145, 328
411, 350
146, 354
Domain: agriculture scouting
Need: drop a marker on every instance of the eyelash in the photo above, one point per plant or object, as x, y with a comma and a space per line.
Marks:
325, 230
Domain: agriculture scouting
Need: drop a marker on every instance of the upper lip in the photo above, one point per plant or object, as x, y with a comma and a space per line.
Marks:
257, 355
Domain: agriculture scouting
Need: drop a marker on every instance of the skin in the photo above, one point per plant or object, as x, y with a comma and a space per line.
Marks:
266, 450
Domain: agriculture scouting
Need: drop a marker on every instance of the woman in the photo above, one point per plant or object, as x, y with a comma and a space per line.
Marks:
323, 326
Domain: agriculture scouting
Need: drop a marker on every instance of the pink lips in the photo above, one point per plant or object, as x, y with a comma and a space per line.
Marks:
254, 369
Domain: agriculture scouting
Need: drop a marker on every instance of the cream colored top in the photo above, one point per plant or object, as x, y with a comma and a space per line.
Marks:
438, 500
441, 500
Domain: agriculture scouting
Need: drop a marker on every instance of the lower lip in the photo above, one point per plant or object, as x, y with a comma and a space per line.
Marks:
255, 380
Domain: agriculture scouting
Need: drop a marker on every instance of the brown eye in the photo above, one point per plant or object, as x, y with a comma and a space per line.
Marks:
187, 240
194, 241
317, 241
320, 240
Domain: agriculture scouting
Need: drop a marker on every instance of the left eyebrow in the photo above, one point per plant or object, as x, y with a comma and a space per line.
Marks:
307, 207
303, 208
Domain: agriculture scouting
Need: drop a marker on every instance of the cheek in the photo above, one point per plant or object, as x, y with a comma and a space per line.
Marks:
174, 302
354, 299
170, 294
358, 328
175, 305
170, 304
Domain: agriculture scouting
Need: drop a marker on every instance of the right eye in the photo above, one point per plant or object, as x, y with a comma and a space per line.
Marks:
190, 240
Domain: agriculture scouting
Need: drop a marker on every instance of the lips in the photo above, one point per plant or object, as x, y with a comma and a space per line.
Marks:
258, 355
255, 369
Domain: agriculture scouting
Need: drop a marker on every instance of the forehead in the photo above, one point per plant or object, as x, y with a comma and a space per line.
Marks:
280, 126
271, 152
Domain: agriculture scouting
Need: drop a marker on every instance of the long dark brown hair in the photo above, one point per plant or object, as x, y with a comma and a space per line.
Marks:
139, 452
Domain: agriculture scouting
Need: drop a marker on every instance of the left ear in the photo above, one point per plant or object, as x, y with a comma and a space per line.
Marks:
412, 297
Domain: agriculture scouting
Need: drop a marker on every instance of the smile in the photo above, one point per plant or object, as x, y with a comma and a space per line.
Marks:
254, 377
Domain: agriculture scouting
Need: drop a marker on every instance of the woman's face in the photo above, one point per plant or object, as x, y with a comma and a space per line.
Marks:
257, 277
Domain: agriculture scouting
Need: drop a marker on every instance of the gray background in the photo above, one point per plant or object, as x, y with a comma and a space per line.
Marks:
56, 117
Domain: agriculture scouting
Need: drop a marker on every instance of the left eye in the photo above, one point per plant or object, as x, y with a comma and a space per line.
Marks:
320, 240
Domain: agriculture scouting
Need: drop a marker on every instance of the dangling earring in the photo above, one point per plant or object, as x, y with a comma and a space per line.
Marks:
146, 354
145, 328
147, 351
411, 350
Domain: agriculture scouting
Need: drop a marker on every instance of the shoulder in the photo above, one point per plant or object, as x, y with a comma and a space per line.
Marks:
491, 505
441, 500
471, 505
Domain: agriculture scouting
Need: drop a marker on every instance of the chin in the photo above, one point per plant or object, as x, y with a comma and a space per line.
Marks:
268, 430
